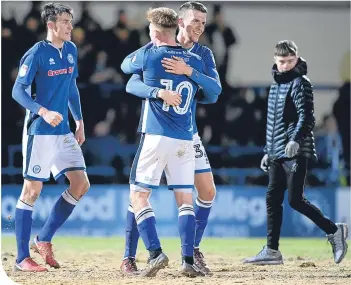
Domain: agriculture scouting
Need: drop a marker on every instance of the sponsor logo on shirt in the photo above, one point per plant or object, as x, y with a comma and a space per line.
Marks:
60, 71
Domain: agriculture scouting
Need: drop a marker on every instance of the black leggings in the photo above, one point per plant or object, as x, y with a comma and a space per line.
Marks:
290, 174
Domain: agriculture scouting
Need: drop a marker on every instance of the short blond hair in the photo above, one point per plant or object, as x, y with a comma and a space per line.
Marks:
162, 17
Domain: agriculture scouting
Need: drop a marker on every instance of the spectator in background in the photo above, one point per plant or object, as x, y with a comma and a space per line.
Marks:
28, 34
103, 71
93, 30
239, 112
341, 111
86, 54
8, 45
260, 115
329, 150
10, 109
103, 149
123, 39
34, 13
220, 38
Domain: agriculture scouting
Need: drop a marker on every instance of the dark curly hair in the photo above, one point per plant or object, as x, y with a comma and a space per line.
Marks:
50, 11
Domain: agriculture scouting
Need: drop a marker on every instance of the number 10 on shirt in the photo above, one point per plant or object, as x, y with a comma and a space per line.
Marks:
168, 83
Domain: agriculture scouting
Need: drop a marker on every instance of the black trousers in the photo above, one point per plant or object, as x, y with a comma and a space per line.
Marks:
290, 174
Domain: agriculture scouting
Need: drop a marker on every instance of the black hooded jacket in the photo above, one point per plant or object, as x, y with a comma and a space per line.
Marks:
290, 115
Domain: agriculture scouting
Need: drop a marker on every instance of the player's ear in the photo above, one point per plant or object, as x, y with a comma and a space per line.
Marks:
50, 25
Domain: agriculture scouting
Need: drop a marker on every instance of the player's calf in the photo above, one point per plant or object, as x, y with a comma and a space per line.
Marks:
186, 226
203, 205
146, 223
131, 235
186, 222
23, 224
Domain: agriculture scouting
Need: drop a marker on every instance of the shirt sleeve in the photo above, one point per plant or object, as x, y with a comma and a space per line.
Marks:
209, 80
137, 87
29, 66
135, 63
129, 57
21, 93
75, 68
210, 67
74, 101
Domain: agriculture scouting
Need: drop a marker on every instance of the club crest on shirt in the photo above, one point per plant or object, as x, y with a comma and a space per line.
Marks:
70, 58
23, 70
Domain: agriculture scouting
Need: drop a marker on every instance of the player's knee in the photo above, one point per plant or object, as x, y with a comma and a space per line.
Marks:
183, 196
31, 191
139, 199
79, 185
207, 193
295, 202
85, 186
272, 199
134, 195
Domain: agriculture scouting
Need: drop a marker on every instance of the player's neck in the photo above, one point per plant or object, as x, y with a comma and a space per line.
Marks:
183, 41
167, 42
56, 42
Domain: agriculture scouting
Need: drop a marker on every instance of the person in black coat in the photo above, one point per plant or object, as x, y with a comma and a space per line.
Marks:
289, 147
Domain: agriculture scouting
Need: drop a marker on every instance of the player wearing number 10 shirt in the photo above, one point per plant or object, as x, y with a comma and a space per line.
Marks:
191, 23
166, 143
163, 123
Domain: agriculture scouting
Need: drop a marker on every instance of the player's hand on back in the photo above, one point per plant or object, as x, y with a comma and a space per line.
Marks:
171, 98
176, 65
53, 118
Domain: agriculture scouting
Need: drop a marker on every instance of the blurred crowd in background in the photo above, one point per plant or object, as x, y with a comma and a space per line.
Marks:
233, 129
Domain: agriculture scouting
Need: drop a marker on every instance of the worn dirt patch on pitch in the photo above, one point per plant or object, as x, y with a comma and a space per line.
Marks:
102, 268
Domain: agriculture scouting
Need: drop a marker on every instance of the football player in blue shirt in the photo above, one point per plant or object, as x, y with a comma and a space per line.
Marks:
192, 20
166, 142
48, 144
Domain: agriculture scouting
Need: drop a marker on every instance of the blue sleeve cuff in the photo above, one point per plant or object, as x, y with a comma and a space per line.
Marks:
154, 93
74, 102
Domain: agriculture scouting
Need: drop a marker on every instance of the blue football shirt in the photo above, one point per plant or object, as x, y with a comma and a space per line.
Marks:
53, 70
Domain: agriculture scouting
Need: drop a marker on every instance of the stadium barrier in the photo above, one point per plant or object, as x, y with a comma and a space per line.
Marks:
239, 211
